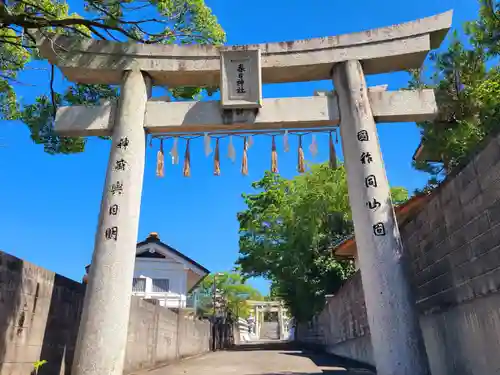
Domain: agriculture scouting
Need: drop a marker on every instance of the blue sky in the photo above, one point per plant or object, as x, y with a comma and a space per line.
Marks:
49, 204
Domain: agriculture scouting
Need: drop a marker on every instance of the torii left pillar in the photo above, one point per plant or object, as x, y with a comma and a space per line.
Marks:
102, 337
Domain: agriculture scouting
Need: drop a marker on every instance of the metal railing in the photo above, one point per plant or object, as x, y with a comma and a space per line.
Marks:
191, 302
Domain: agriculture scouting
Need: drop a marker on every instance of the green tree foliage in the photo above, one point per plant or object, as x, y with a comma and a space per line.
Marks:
467, 94
288, 231
485, 31
141, 21
234, 289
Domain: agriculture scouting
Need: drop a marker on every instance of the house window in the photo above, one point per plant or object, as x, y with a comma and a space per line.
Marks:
139, 284
160, 285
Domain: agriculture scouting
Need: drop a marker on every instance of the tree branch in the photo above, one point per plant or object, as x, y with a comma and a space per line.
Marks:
11, 61
35, 6
129, 8
33, 21
52, 92
112, 36
93, 29
15, 80
21, 45
39, 23
44, 11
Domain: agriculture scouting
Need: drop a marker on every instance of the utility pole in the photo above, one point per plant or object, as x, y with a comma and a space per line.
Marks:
214, 290
215, 332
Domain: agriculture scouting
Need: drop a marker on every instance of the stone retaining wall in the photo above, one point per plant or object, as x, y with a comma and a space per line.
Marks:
40, 313
453, 245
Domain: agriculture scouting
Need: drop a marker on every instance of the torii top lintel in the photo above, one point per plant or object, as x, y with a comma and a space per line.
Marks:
393, 48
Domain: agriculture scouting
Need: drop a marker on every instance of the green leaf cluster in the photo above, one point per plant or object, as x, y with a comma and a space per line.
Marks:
38, 364
467, 94
140, 21
234, 289
288, 231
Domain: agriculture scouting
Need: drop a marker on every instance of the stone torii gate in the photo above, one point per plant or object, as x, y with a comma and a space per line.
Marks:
346, 59
260, 307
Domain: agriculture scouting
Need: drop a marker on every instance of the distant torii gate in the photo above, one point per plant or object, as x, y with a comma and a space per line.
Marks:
260, 307
240, 71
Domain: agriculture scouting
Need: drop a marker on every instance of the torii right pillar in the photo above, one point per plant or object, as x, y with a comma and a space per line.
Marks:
398, 346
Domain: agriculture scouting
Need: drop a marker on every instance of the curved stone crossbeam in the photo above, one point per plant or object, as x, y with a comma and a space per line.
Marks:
398, 47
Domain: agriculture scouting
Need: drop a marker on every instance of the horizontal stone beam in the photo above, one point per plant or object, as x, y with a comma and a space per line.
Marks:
282, 113
265, 303
386, 49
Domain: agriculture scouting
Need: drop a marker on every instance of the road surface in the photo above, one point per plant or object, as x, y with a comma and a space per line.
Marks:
262, 359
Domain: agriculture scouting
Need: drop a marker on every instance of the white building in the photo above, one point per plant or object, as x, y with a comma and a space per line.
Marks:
164, 274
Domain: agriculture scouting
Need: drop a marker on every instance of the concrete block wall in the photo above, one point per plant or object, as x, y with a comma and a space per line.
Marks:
453, 247
454, 244
39, 318
157, 336
194, 336
342, 327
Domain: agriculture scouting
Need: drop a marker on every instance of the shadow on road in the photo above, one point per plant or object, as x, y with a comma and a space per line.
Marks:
340, 371
323, 372
260, 346
332, 364
328, 363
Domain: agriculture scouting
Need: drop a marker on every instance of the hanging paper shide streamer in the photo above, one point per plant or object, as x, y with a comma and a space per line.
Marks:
250, 142
174, 153
313, 148
216, 158
244, 161
286, 145
301, 163
247, 143
206, 144
274, 156
231, 151
160, 161
186, 170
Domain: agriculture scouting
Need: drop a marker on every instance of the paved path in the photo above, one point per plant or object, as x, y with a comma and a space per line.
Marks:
261, 360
